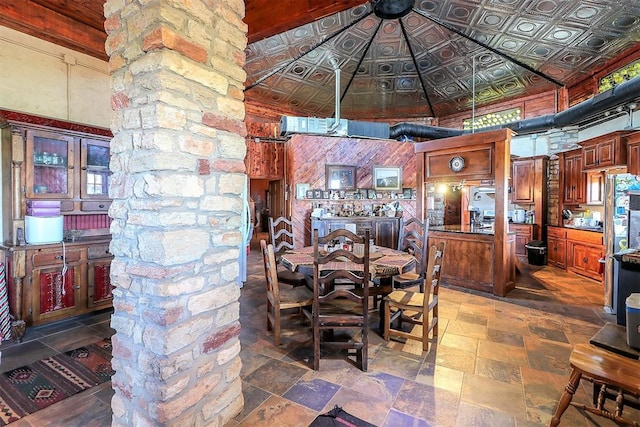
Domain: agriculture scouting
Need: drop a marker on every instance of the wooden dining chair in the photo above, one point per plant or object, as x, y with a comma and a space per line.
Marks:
416, 308
281, 237
278, 299
343, 306
414, 237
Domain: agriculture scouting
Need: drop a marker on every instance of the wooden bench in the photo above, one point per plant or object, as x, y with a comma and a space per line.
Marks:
604, 368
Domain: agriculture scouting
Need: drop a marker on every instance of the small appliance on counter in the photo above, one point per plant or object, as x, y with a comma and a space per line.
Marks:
43, 222
518, 216
40, 230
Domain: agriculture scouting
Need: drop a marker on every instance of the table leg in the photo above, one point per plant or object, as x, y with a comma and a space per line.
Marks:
567, 396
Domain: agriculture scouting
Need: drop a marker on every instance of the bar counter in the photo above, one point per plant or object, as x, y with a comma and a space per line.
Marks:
467, 229
469, 256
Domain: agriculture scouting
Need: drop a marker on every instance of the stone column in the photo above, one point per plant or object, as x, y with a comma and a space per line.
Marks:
178, 177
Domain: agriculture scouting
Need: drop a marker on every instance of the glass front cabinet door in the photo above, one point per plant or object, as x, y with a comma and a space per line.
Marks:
49, 161
94, 177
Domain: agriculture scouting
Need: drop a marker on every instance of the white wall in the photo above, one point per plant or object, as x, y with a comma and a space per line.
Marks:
43, 79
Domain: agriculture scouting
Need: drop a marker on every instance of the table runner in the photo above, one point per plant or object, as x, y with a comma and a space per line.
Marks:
384, 265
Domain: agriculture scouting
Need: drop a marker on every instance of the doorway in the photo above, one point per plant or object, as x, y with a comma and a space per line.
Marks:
267, 198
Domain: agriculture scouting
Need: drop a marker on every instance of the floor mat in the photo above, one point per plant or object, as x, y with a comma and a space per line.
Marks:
338, 417
30, 388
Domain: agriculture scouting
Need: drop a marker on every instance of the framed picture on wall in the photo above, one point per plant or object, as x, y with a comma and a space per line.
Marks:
387, 178
340, 177
301, 191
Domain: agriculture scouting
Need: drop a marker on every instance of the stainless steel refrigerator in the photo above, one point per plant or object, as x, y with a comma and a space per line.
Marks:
616, 223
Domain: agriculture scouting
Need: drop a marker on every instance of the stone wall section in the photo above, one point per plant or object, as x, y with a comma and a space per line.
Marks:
178, 176
559, 140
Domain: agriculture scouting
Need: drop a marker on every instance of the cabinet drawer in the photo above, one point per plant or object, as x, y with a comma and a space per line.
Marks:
95, 206
99, 251
586, 237
54, 257
558, 232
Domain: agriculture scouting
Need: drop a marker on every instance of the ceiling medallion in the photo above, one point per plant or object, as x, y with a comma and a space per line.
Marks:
391, 9
456, 163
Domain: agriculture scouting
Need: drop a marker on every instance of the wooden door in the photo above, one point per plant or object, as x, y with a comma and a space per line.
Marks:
556, 252
99, 288
276, 203
523, 181
49, 165
633, 159
94, 169
55, 295
453, 208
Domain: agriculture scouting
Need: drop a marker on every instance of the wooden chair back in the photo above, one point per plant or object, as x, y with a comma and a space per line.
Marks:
270, 269
344, 305
413, 238
432, 277
281, 234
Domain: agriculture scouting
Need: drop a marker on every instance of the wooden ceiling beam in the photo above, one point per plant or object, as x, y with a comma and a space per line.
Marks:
34, 19
267, 17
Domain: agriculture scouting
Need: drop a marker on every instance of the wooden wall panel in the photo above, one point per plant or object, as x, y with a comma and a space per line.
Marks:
306, 159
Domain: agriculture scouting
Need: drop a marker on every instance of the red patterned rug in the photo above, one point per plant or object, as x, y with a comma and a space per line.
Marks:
30, 388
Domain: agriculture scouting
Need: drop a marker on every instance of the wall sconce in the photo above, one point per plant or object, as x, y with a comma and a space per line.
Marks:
442, 188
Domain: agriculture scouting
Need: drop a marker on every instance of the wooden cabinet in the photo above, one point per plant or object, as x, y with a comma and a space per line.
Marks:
51, 282
573, 185
529, 191
633, 153
595, 188
99, 289
383, 230
523, 181
94, 169
265, 160
523, 234
556, 246
604, 151
584, 251
58, 283
49, 165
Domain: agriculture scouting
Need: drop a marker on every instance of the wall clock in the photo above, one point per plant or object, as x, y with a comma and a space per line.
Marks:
456, 163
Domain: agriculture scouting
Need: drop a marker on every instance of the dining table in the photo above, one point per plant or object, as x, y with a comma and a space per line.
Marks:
384, 263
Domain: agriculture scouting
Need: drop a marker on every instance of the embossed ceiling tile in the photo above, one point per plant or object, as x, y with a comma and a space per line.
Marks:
562, 34
494, 20
526, 27
548, 8
460, 12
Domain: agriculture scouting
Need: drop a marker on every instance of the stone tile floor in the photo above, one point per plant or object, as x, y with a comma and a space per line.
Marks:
496, 362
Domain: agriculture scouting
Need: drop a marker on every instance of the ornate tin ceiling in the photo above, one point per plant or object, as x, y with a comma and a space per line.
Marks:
513, 47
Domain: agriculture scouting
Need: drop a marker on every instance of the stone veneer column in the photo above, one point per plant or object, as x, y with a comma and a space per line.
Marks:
178, 177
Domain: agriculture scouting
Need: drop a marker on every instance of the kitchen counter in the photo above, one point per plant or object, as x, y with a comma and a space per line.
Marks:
467, 229
584, 228
469, 256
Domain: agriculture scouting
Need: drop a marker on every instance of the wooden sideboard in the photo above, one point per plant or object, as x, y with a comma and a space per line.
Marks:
69, 167
383, 230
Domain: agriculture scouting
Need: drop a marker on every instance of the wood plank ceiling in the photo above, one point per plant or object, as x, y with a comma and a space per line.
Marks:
513, 48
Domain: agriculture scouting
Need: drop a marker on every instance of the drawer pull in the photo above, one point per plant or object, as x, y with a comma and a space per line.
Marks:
101, 206
58, 256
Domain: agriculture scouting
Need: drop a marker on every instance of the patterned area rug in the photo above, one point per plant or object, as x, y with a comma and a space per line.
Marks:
30, 388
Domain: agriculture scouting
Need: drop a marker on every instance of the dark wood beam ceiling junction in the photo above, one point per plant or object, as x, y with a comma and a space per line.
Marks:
79, 25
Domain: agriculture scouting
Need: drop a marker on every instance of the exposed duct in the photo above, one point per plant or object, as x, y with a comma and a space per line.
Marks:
621, 94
